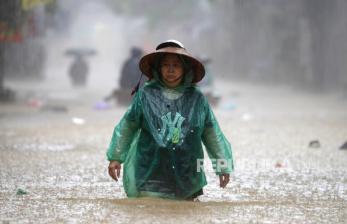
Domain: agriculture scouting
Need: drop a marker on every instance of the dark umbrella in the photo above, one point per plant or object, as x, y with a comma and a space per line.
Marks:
80, 52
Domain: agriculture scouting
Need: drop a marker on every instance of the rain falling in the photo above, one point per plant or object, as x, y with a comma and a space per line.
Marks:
276, 79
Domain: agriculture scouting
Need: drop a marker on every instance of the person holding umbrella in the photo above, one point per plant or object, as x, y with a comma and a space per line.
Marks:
79, 68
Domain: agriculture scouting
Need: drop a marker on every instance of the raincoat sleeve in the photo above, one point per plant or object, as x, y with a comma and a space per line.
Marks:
217, 146
125, 132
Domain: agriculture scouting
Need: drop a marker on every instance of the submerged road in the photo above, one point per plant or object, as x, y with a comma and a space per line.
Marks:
288, 165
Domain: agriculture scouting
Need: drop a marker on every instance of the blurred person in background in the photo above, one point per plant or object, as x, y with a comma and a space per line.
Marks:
130, 78
131, 73
78, 71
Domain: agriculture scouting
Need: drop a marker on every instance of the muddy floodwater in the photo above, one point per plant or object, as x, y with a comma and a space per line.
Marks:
289, 167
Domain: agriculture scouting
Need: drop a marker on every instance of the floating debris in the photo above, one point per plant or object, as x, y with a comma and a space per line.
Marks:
314, 144
246, 117
102, 105
278, 165
344, 146
35, 103
21, 192
54, 108
78, 121
229, 105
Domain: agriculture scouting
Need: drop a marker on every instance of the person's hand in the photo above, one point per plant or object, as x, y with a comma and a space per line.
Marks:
114, 169
224, 180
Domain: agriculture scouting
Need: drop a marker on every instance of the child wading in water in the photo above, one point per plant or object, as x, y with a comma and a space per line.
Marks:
159, 139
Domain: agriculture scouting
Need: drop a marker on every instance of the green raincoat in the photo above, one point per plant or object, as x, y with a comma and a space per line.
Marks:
159, 141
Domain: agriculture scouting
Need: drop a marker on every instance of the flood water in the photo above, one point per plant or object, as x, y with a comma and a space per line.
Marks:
57, 158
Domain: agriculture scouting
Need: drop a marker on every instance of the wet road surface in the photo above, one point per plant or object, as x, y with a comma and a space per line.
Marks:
57, 157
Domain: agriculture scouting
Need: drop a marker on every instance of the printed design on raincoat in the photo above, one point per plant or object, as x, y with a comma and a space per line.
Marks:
171, 129
159, 140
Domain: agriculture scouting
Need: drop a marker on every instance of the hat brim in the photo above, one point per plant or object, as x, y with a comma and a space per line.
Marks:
147, 62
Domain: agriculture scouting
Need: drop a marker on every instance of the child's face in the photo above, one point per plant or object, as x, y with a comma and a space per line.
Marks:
172, 70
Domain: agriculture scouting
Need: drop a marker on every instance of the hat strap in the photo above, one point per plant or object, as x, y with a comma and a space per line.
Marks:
136, 88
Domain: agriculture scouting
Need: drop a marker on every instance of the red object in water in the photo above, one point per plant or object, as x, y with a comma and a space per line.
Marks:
34, 103
278, 165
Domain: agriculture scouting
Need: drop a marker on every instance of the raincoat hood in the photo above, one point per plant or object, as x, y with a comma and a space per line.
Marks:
148, 63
